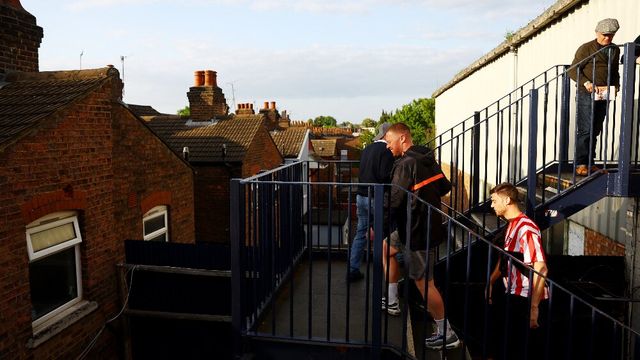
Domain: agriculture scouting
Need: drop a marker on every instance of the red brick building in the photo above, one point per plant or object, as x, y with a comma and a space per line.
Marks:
79, 174
218, 151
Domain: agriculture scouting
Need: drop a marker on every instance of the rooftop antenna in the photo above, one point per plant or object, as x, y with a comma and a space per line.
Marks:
233, 94
81, 53
122, 57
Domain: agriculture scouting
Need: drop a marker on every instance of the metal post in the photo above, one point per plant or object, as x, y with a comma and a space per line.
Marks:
237, 266
621, 186
532, 157
475, 169
563, 154
376, 295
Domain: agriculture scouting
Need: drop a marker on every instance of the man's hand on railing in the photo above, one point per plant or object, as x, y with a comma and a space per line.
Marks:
589, 86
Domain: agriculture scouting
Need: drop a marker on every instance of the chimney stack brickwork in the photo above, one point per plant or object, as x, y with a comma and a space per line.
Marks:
20, 38
206, 99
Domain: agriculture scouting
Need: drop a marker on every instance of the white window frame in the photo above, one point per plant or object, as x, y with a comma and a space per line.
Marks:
157, 211
48, 222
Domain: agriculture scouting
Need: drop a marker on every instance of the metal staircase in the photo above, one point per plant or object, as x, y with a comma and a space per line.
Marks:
524, 138
290, 297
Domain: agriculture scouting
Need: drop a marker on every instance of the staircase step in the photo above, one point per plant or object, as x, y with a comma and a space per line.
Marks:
488, 220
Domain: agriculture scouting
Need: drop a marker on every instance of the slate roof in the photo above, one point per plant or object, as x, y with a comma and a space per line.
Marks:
143, 110
27, 99
324, 148
205, 142
289, 140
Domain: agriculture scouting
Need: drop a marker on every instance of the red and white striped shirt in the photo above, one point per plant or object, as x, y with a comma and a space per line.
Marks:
523, 236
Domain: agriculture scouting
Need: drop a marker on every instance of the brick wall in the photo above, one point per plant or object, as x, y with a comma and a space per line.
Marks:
20, 39
205, 102
262, 154
212, 201
212, 187
148, 174
97, 159
600, 245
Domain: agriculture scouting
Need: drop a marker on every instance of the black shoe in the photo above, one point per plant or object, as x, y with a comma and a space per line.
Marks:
355, 276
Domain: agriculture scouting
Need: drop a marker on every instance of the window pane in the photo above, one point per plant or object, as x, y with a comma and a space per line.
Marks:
53, 282
154, 224
54, 236
161, 237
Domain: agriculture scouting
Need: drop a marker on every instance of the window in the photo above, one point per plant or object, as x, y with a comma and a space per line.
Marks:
155, 226
55, 277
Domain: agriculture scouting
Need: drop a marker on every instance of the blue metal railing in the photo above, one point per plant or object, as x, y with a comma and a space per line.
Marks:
290, 286
524, 138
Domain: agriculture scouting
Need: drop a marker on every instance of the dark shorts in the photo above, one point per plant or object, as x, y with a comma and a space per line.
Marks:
418, 266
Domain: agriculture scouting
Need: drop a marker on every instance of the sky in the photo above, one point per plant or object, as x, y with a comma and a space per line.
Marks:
350, 59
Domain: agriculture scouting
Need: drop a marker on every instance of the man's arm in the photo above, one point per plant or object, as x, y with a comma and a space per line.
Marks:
576, 72
537, 291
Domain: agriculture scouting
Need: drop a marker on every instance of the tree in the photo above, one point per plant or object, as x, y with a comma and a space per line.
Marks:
325, 121
185, 111
368, 122
420, 117
346, 124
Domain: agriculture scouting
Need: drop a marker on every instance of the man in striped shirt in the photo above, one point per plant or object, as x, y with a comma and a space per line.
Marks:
523, 241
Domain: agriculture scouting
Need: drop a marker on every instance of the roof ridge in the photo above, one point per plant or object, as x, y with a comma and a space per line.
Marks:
87, 74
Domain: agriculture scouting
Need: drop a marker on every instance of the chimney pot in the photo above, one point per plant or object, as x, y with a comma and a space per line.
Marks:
198, 78
251, 106
266, 105
210, 78
273, 105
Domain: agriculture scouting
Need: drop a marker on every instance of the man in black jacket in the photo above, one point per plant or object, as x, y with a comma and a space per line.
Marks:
376, 162
416, 172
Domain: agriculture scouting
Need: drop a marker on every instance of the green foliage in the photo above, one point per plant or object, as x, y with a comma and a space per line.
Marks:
508, 36
368, 122
185, 111
325, 121
366, 138
346, 124
419, 116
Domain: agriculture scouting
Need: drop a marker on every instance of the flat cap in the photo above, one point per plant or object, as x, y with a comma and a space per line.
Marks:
381, 131
607, 26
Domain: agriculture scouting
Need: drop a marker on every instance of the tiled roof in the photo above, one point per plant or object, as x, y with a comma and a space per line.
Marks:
143, 110
289, 140
206, 142
324, 148
26, 99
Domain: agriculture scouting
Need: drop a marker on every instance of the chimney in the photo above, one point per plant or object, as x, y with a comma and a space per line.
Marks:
206, 99
210, 78
198, 78
20, 38
271, 115
245, 109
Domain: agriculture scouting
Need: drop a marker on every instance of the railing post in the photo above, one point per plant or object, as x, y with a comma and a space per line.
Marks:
475, 170
533, 153
621, 187
237, 224
376, 294
563, 153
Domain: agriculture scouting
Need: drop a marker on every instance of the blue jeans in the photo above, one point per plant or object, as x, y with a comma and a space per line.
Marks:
365, 220
584, 155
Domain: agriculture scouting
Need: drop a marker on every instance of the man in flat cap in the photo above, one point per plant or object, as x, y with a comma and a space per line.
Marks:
595, 71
